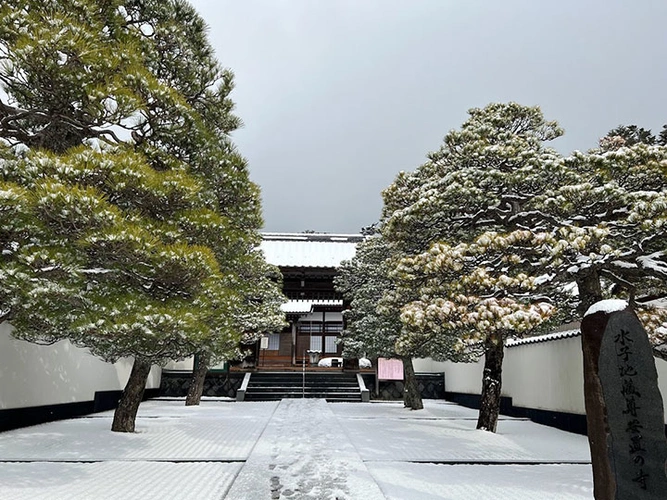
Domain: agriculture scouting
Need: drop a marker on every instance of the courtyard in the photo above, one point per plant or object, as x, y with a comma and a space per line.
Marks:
294, 449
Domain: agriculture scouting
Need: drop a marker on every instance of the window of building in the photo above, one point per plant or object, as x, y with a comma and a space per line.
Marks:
308, 327
274, 341
330, 344
333, 327
316, 343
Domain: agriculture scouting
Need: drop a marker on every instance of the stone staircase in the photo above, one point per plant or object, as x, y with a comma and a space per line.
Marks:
272, 386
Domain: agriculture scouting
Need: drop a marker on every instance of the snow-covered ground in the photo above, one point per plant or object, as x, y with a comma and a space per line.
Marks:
295, 449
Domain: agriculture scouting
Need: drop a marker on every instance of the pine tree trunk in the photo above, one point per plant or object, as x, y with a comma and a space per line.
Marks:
411, 397
126, 413
196, 388
491, 383
590, 290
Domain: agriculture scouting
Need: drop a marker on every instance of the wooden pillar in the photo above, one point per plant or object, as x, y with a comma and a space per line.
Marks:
293, 323
324, 335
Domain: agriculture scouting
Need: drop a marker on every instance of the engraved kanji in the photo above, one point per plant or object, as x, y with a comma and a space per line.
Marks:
623, 337
629, 388
636, 444
634, 426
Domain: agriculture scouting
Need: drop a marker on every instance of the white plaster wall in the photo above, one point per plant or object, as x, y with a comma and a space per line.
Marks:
427, 365
661, 368
184, 365
188, 365
33, 375
459, 377
545, 375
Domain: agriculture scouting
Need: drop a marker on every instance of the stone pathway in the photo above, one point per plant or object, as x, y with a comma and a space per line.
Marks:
304, 453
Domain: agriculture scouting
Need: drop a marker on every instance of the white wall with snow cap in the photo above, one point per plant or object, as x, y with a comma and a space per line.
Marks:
661, 366
465, 378
544, 375
34, 375
187, 365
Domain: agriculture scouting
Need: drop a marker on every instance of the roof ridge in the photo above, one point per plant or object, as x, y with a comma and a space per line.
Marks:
549, 337
270, 236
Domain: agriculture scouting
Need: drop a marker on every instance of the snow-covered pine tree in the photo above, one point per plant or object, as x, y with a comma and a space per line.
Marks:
483, 179
372, 331
473, 297
611, 225
662, 136
362, 280
629, 135
257, 312
125, 207
187, 63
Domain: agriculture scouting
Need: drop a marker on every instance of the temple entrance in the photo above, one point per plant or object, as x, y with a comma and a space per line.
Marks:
308, 263
313, 334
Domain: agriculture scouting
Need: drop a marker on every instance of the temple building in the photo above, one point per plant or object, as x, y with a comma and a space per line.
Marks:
308, 262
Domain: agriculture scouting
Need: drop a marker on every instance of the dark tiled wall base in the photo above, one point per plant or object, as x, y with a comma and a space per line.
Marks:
431, 386
216, 384
15, 418
570, 422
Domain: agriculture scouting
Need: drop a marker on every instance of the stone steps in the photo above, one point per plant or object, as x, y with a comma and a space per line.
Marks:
267, 386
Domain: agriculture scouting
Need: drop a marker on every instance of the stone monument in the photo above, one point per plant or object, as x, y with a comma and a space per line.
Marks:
624, 410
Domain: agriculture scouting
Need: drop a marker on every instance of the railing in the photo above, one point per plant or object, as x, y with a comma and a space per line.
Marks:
240, 394
365, 393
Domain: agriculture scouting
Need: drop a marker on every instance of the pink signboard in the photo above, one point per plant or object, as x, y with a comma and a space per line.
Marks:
390, 369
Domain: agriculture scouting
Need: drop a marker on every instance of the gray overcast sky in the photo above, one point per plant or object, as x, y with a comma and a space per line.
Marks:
338, 96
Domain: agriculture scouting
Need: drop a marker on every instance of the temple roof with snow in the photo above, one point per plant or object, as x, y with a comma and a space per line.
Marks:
309, 250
